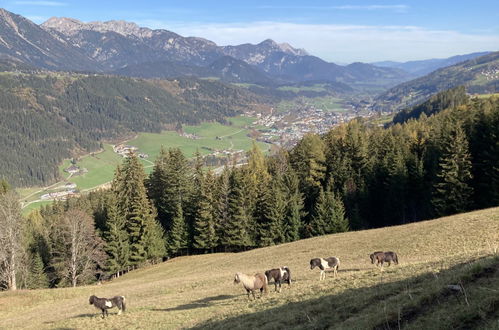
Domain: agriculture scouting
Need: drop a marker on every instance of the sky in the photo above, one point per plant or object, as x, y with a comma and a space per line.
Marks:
337, 31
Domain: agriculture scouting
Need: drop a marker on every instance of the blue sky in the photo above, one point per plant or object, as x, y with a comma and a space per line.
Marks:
337, 31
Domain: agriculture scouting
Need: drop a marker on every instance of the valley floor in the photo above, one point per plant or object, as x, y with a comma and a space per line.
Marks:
198, 291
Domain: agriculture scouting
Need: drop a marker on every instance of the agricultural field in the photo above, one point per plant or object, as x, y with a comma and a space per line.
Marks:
100, 166
326, 103
198, 291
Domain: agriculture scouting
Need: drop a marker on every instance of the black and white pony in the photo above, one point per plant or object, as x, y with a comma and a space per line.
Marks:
325, 264
106, 303
279, 275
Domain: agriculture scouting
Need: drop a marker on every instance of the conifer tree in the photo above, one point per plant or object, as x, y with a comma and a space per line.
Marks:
318, 225
177, 236
205, 234
116, 237
134, 206
269, 215
452, 191
37, 278
293, 207
155, 239
236, 230
221, 204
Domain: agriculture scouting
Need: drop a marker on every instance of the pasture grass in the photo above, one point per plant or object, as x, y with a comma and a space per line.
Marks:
198, 291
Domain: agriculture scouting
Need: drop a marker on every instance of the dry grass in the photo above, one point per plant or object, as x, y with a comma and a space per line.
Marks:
198, 290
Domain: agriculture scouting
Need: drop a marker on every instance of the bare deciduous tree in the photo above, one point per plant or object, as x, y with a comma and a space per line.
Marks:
77, 250
11, 248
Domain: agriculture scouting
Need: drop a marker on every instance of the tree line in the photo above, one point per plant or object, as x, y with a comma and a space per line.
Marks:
356, 176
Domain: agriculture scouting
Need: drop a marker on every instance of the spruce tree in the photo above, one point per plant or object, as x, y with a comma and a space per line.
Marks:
452, 191
269, 215
293, 207
236, 232
318, 224
205, 234
37, 278
134, 206
116, 237
177, 236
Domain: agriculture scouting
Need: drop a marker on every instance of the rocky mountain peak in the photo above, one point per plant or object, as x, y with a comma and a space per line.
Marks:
287, 48
69, 26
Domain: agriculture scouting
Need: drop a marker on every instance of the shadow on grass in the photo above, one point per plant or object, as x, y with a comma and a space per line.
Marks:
205, 302
421, 300
87, 315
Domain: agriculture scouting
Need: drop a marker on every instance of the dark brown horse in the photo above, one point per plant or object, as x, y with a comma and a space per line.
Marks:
279, 275
380, 258
106, 303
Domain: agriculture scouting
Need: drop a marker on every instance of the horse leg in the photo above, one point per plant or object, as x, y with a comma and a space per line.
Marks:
248, 292
280, 288
103, 313
253, 293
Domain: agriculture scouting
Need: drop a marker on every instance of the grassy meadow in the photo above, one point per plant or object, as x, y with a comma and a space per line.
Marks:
101, 165
198, 291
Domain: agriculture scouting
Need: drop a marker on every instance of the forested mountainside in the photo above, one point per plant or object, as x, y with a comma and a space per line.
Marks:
478, 75
451, 98
47, 116
355, 176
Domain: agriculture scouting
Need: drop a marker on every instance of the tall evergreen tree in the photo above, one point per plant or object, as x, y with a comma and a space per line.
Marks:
236, 232
205, 232
293, 207
134, 206
269, 215
177, 237
117, 244
452, 190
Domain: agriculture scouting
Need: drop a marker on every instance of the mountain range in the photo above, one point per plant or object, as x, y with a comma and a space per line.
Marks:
423, 67
125, 48
479, 75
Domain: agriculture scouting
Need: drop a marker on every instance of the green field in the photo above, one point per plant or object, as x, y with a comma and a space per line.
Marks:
326, 103
101, 165
198, 291
297, 89
233, 137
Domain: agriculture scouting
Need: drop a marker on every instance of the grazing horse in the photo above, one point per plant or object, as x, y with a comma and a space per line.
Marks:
382, 257
105, 303
279, 275
252, 283
325, 263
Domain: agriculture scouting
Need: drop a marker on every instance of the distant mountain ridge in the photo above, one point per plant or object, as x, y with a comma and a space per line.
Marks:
478, 75
125, 48
423, 67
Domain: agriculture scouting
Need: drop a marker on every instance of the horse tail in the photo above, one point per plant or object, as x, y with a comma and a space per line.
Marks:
396, 258
286, 268
123, 303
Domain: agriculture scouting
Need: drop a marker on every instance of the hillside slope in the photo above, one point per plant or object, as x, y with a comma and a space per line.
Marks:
198, 290
478, 75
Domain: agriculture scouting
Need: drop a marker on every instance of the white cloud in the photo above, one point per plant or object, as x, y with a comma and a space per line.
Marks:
41, 3
397, 8
342, 43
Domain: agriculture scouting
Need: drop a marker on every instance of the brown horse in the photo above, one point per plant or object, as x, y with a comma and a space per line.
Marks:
252, 283
282, 274
381, 257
